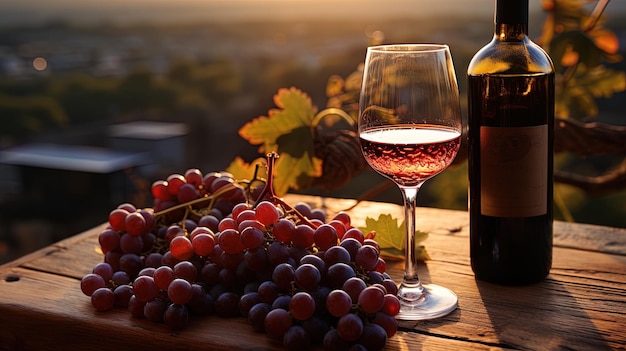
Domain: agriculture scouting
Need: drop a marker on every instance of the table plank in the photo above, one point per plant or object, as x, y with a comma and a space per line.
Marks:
65, 320
581, 305
436, 221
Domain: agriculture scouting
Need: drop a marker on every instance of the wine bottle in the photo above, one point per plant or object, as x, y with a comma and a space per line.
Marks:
510, 145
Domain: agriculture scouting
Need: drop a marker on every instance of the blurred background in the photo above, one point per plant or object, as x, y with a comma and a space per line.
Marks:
100, 99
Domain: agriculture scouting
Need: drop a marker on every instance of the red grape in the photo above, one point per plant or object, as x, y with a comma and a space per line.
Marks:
353, 287
391, 305
131, 243
181, 248
336, 254
131, 263
230, 241
109, 240
354, 233
284, 230
266, 213
238, 208
145, 289
283, 275
277, 253
344, 218
179, 291
227, 304
103, 299
203, 244
314, 260
154, 310
339, 227
252, 237
123, 294
135, 224
388, 322
174, 182
338, 274
277, 322
163, 276
130, 208
325, 236
371, 299
226, 223
307, 276
338, 303
187, 192
185, 270
296, 338
350, 327
257, 314
148, 215
366, 257
117, 219
160, 192
251, 223
104, 270
256, 259
304, 236
194, 176
90, 283
247, 301
176, 316
303, 208
245, 215
374, 337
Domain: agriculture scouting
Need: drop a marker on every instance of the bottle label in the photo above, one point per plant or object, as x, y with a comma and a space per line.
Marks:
514, 171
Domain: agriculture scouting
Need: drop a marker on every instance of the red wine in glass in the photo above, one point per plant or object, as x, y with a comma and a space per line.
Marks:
410, 154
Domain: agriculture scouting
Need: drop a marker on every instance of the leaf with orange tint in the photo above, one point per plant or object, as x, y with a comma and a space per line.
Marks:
241, 170
287, 131
390, 237
569, 58
605, 40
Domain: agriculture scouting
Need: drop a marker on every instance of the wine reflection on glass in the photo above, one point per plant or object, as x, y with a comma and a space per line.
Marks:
410, 129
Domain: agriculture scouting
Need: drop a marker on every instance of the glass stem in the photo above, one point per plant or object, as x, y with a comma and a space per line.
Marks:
411, 279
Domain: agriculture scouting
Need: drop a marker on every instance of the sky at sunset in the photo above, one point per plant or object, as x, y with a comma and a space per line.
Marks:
33, 11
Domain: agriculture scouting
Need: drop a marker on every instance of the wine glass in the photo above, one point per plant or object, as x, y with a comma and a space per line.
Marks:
410, 130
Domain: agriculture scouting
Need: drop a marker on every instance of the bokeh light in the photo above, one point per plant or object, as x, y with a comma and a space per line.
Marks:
40, 64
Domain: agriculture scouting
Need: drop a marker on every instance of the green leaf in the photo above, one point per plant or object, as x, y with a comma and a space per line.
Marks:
294, 110
287, 131
602, 82
583, 44
292, 172
577, 98
244, 171
390, 237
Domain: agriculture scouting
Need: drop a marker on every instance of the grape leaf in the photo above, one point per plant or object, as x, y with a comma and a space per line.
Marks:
245, 171
577, 98
390, 237
287, 130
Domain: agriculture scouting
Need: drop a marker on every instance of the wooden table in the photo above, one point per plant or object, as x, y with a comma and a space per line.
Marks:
580, 306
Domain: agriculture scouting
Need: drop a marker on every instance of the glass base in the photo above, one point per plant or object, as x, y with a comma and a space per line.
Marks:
429, 301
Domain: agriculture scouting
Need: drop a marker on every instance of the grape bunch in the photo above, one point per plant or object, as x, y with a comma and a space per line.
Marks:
206, 248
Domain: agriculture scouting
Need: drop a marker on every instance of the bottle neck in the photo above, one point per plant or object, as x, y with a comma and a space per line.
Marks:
511, 19
511, 32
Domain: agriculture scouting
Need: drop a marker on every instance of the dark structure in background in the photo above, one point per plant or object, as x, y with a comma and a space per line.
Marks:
52, 191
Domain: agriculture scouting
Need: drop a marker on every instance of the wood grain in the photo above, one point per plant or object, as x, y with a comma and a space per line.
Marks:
580, 306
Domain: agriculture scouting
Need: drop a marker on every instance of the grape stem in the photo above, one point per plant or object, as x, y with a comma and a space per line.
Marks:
209, 200
268, 191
